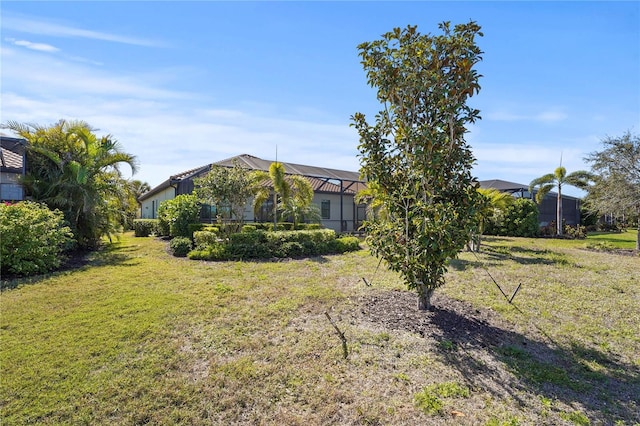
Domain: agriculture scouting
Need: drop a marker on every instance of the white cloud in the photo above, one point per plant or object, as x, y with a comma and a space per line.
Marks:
168, 130
42, 47
23, 70
38, 26
525, 162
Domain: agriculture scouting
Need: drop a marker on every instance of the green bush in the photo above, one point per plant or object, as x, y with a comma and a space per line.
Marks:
520, 219
163, 219
33, 238
194, 227
145, 227
577, 232
344, 244
248, 245
180, 246
215, 251
179, 213
249, 228
202, 239
261, 245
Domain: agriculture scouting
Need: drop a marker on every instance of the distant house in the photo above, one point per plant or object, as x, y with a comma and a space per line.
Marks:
12, 167
334, 192
548, 207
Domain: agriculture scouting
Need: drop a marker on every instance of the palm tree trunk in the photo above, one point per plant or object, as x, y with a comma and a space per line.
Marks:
559, 211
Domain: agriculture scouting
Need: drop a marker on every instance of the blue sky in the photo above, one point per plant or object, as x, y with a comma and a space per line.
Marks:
183, 84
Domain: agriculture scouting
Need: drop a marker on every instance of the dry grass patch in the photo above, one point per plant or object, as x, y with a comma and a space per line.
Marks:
138, 336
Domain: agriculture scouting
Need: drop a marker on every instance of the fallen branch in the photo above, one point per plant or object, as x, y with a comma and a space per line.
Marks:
345, 350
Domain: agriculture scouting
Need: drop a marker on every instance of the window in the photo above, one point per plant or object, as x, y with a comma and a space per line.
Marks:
325, 209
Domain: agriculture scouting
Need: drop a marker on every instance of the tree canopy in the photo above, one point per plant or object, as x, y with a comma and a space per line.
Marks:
71, 169
415, 154
226, 187
617, 183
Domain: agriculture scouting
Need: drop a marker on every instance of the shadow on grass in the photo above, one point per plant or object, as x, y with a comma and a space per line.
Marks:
495, 255
485, 351
606, 387
106, 255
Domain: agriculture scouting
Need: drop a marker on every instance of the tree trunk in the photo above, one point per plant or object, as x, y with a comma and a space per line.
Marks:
638, 236
424, 299
559, 212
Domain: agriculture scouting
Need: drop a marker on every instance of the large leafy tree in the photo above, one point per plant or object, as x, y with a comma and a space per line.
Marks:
416, 153
617, 182
226, 187
559, 178
77, 172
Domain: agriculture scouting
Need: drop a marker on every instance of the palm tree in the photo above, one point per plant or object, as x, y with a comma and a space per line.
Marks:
299, 203
292, 195
71, 169
579, 179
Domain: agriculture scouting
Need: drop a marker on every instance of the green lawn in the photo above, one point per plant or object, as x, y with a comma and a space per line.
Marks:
623, 240
140, 337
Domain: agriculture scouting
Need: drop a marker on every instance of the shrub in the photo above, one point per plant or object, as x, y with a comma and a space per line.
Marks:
180, 246
577, 232
291, 249
344, 244
204, 239
163, 219
520, 219
216, 251
260, 244
145, 227
33, 238
248, 245
178, 213
249, 228
194, 227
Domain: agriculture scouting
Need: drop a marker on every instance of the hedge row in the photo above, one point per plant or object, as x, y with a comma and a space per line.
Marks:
264, 245
147, 227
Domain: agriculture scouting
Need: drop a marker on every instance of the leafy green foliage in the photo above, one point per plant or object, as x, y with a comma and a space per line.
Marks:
71, 169
518, 219
228, 188
178, 214
145, 227
344, 244
415, 155
263, 245
617, 186
33, 238
203, 239
180, 246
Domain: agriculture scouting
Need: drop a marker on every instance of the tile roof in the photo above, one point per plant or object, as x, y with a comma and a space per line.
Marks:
11, 154
322, 179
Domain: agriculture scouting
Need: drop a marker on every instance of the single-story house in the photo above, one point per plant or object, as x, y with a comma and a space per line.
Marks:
12, 166
548, 207
334, 190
